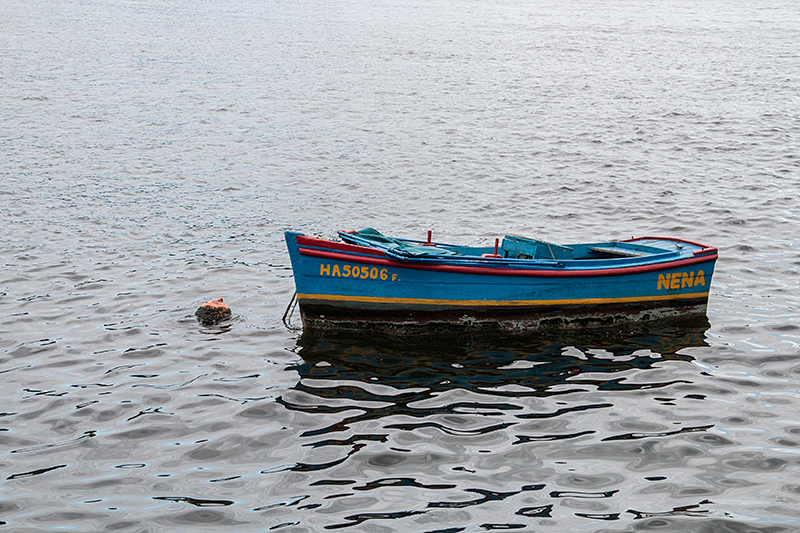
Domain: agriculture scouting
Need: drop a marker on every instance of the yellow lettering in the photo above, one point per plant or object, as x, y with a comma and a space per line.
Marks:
363, 272
663, 281
700, 279
687, 279
676, 281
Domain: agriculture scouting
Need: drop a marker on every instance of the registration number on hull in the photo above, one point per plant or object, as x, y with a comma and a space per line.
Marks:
356, 271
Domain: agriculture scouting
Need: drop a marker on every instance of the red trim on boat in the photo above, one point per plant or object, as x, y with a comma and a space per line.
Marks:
502, 271
302, 240
703, 248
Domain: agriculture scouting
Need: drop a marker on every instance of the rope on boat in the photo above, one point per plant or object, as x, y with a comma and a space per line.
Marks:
552, 255
287, 315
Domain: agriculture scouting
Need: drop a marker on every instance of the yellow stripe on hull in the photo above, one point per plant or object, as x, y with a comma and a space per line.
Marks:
495, 303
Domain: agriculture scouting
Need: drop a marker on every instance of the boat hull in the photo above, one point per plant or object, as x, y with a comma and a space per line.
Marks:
347, 287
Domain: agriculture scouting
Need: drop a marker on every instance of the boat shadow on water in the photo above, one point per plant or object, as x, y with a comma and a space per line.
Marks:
538, 364
466, 402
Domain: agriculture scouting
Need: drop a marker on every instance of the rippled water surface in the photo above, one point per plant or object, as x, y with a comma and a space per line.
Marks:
154, 152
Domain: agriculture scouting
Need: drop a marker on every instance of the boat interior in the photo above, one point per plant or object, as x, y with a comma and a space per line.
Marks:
511, 247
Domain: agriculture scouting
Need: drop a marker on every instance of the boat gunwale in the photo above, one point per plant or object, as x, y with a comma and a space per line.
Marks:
704, 248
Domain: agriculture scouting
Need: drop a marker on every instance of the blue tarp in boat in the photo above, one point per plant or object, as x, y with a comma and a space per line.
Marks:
399, 246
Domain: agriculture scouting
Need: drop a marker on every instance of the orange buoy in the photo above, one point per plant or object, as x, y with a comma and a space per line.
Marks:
213, 312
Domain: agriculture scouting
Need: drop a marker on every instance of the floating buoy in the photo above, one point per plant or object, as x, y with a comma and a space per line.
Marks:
213, 312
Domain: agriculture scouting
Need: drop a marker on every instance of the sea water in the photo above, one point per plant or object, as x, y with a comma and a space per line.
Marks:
154, 152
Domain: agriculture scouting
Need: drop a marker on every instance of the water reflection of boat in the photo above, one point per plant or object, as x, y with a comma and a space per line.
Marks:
452, 423
534, 364
370, 281
347, 380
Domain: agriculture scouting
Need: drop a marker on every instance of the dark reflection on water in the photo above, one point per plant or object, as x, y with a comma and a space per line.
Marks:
473, 400
536, 365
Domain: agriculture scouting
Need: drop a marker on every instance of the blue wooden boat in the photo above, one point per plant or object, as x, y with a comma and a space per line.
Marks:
371, 281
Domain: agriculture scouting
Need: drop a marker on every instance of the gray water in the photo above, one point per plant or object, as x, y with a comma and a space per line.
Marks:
154, 152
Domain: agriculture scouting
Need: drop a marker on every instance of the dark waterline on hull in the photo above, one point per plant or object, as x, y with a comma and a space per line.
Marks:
520, 321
